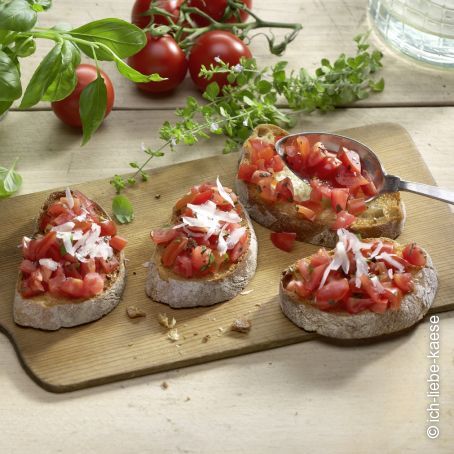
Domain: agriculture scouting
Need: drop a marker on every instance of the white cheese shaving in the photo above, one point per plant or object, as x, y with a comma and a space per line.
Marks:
235, 236
377, 250
389, 259
390, 273
223, 193
377, 284
66, 227
222, 244
69, 199
49, 264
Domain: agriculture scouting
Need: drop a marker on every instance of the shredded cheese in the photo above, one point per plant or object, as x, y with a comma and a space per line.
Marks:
69, 198
49, 264
223, 193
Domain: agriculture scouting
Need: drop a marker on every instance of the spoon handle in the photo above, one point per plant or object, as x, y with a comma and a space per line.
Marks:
427, 190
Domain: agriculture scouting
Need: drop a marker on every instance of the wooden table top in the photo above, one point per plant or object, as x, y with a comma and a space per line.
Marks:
314, 396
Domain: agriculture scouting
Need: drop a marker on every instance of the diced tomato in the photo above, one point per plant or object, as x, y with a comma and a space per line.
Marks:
63, 218
188, 198
339, 197
333, 291
305, 212
368, 286
266, 153
413, 254
284, 189
298, 288
200, 257
276, 163
56, 209
343, 220
245, 171
259, 175
304, 147
31, 287
305, 269
320, 258
317, 155
108, 228
54, 252
356, 305
267, 192
356, 206
161, 236
46, 273
239, 249
328, 168
404, 281
283, 240
93, 284
172, 250
72, 270
394, 296
319, 190
27, 266
118, 243
73, 287
202, 197
44, 222
316, 207
183, 266
106, 266
87, 267
296, 162
316, 275
350, 159
45, 243
349, 179
380, 307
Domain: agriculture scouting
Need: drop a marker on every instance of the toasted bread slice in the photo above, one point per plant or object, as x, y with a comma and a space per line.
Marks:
165, 286
50, 313
385, 215
365, 324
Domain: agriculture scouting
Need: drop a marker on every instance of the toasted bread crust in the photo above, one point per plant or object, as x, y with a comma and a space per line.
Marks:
385, 215
50, 313
366, 324
166, 287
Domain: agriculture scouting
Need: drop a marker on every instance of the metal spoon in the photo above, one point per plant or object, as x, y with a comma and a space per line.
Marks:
369, 160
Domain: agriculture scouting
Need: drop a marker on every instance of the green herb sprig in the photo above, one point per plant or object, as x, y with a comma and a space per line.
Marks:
54, 78
268, 95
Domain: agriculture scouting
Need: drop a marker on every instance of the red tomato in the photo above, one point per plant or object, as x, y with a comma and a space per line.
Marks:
320, 258
200, 257
188, 198
216, 43
108, 228
339, 197
259, 175
304, 269
87, 267
317, 155
343, 220
172, 250
45, 243
404, 281
72, 270
183, 266
106, 266
349, 179
245, 171
93, 284
333, 291
296, 162
328, 167
118, 243
356, 305
163, 56
267, 192
356, 206
394, 296
283, 240
319, 190
298, 288
27, 266
161, 236
350, 159
316, 275
368, 286
202, 197
413, 254
68, 109
306, 212
284, 189
73, 287
216, 10
239, 249
141, 6
277, 163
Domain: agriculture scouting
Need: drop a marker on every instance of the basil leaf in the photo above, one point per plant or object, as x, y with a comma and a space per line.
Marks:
7, 37
4, 106
17, 15
10, 86
24, 47
134, 75
122, 209
92, 107
40, 5
43, 77
121, 37
10, 181
66, 80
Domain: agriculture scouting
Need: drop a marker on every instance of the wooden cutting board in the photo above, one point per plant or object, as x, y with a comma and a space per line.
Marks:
116, 347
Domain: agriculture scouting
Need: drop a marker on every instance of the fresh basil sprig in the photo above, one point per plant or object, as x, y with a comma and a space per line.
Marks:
55, 77
10, 181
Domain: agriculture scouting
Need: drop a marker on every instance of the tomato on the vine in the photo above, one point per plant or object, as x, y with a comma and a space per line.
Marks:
163, 56
216, 43
68, 109
216, 10
141, 6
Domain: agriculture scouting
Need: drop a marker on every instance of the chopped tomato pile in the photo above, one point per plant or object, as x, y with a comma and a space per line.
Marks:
359, 276
337, 180
75, 252
209, 232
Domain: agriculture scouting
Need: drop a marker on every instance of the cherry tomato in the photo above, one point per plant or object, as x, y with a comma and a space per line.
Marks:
283, 240
68, 109
216, 43
163, 56
141, 6
413, 254
216, 10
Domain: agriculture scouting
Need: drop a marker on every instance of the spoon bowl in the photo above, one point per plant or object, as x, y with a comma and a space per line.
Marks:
369, 161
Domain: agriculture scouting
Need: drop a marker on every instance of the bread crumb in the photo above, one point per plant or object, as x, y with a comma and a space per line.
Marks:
206, 338
241, 325
164, 385
246, 292
165, 322
173, 335
195, 334
157, 196
258, 305
135, 312
187, 399
130, 345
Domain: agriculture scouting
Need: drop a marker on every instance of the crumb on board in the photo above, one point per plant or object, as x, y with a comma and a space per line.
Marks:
157, 196
258, 305
146, 264
246, 292
206, 338
135, 312
187, 399
130, 345
165, 322
164, 385
241, 325
134, 273
173, 335
221, 329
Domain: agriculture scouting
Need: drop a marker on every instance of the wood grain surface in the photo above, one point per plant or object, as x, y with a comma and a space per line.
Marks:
117, 347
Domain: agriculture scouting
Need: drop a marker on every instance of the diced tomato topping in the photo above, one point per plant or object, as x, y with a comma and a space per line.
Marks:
200, 257
316, 275
413, 254
343, 220
319, 190
284, 189
45, 243
276, 163
108, 228
404, 281
106, 266
368, 286
339, 197
27, 266
328, 167
316, 155
73, 287
118, 243
161, 236
245, 171
172, 250
283, 240
380, 307
239, 249
202, 197
183, 266
188, 198
259, 175
356, 305
298, 288
320, 258
349, 179
267, 193
333, 291
88, 267
93, 284
72, 270
350, 159
296, 162
356, 206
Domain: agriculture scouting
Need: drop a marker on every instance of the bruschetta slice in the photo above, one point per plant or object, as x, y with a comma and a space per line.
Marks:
73, 269
334, 198
361, 289
207, 254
